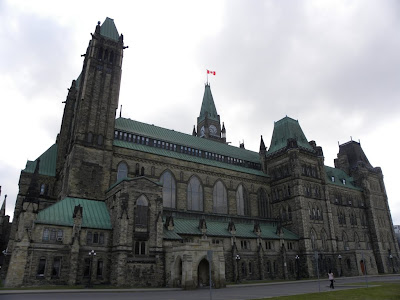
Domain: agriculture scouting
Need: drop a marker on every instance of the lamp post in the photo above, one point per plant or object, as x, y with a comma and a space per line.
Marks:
340, 263
298, 266
237, 258
92, 254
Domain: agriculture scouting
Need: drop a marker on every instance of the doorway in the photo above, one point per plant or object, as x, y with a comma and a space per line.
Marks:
203, 273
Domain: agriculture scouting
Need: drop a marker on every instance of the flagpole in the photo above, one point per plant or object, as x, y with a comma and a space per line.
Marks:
207, 77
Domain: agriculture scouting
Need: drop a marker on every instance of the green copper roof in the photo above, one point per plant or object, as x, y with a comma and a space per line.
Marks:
47, 162
183, 139
95, 213
108, 29
284, 129
186, 157
339, 176
184, 226
208, 106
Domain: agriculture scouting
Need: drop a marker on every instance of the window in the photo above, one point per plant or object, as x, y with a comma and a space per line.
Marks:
55, 272
46, 233
250, 268
41, 267
241, 201
333, 178
99, 268
141, 211
220, 204
122, 171
42, 189
140, 248
86, 269
263, 204
53, 234
195, 195
169, 189
313, 240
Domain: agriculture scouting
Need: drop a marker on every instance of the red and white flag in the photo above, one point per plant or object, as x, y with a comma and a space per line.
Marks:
211, 72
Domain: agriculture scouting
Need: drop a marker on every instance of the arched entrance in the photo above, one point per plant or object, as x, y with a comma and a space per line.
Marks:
177, 281
203, 273
362, 266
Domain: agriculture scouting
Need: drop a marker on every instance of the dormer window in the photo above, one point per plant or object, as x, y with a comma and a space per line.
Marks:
333, 178
344, 181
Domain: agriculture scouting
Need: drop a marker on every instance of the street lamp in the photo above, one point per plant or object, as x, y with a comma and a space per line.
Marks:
237, 258
340, 263
92, 254
298, 266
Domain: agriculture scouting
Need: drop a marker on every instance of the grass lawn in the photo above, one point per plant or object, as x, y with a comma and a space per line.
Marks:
384, 291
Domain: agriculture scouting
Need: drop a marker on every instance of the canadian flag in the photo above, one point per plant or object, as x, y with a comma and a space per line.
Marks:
211, 72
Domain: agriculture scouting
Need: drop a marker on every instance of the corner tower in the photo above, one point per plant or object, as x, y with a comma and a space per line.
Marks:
208, 122
89, 137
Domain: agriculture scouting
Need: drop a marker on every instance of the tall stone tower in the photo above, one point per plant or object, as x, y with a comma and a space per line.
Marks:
208, 122
87, 130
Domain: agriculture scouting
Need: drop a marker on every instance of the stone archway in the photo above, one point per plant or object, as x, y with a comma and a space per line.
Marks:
203, 271
177, 280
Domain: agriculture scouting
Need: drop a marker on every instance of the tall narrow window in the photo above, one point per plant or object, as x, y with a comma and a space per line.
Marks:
263, 204
220, 202
46, 234
241, 201
141, 211
42, 189
99, 268
41, 267
86, 267
55, 272
122, 171
169, 189
195, 194
313, 240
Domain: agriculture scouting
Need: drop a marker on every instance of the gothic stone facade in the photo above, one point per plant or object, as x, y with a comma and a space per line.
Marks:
120, 202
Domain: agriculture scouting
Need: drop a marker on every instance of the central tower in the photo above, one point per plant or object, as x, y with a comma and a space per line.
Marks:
208, 122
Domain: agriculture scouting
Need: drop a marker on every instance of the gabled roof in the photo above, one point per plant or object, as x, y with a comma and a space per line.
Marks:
95, 213
284, 129
188, 140
183, 226
48, 162
208, 106
108, 29
340, 175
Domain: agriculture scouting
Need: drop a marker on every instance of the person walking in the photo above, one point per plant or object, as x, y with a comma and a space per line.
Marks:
331, 278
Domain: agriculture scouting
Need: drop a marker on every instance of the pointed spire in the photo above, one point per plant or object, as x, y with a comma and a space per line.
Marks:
262, 146
194, 133
109, 30
3, 207
208, 108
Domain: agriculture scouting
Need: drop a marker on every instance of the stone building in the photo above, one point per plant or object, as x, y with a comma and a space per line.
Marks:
120, 202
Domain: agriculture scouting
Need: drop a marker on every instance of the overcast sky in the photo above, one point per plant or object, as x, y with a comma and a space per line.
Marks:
333, 65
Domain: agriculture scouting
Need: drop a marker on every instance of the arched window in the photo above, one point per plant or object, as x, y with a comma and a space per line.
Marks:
195, 194
169, 189
324, 240
357, 241
100, 54
90, 137
345, 242
263, 204
141, 211
313, 240
289, 213
122, 171
220, 202
142, 171
242, 201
